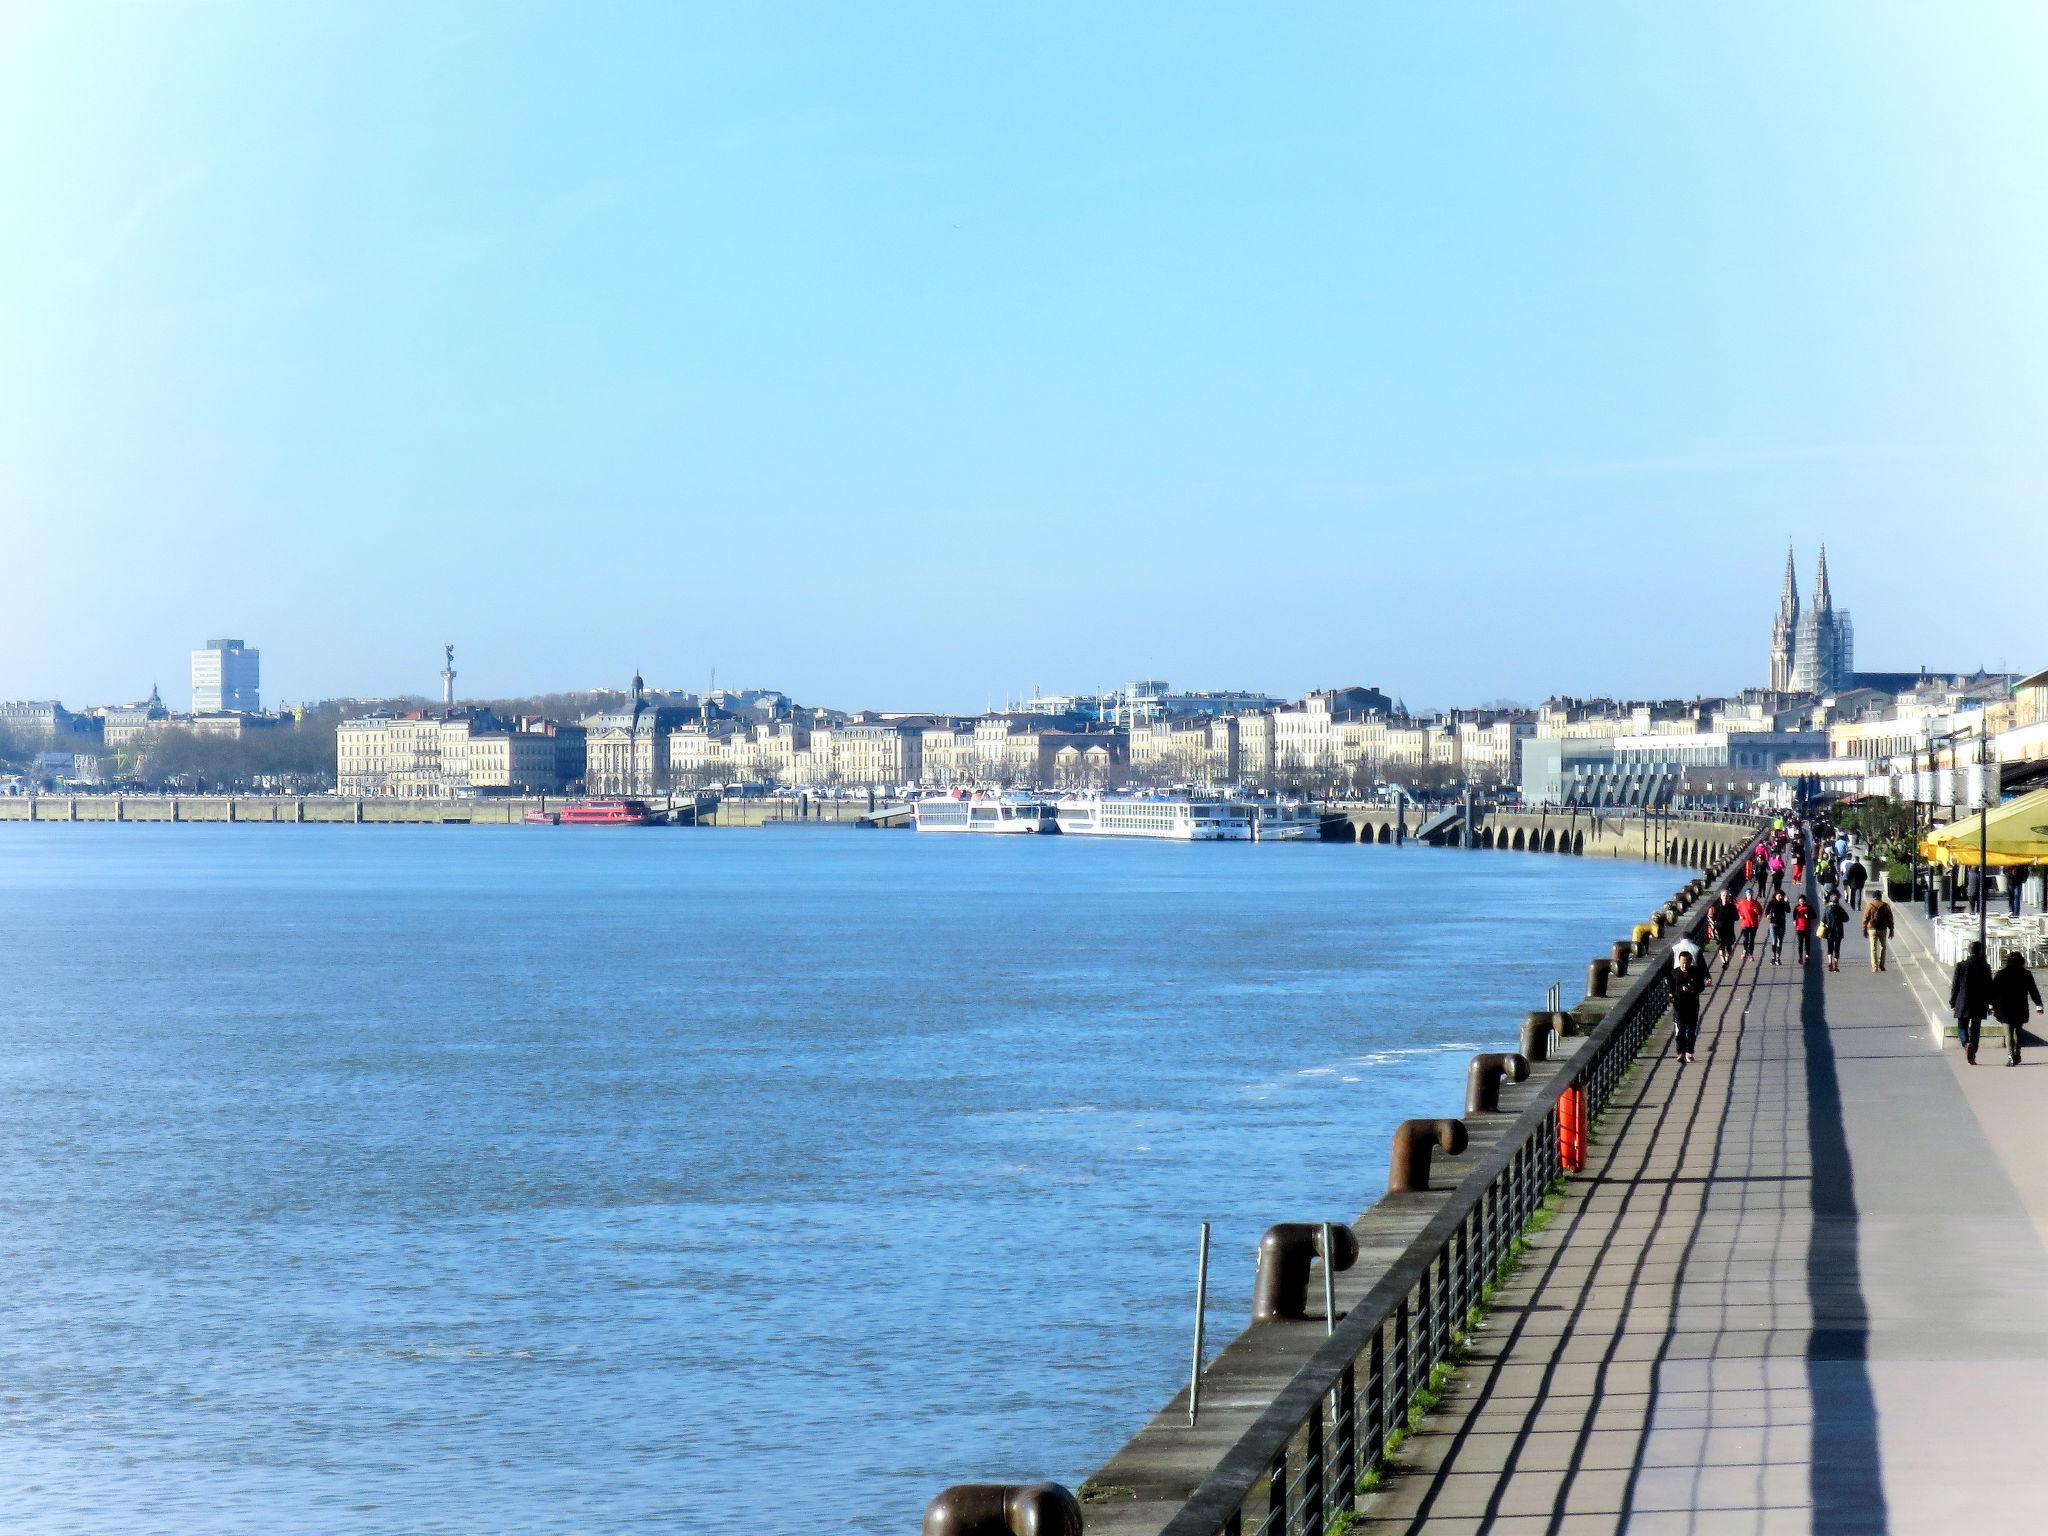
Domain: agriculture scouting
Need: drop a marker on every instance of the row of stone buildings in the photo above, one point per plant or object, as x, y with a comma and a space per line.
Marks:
437, 754
1329, 740
1332, 737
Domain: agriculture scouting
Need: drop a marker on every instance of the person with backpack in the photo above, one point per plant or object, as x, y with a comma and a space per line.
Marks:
2012, 988
1721, 925
1834, 922
1748, 913
1969, 997
1878, 921
1777, 909
1802, 928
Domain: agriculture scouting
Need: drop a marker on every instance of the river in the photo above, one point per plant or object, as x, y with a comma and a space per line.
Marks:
367, 1180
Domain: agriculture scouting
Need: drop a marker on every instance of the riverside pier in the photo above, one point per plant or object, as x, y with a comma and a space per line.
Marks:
1798, 1286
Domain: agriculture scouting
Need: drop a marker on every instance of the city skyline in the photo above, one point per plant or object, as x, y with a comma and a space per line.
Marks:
892, 352
1791, 666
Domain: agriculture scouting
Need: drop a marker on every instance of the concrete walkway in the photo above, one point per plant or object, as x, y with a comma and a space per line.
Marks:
1803, 1287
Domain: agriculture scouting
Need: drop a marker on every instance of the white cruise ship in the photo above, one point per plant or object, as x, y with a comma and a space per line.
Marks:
1281, 823
984, 813
1175, 818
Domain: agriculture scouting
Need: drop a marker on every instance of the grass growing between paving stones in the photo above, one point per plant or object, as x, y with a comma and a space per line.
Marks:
1431, 1393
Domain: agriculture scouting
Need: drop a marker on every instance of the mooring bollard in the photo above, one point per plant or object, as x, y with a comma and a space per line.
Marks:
1483, 1078
1003, 1509
1539, 1026
1408, 1171
1639, 940
1619, 953
1280, 1293
1596, 978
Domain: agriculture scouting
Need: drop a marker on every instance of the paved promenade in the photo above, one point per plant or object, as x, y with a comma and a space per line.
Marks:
1803, 1287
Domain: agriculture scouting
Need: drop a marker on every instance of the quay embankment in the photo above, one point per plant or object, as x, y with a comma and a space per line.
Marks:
1280, 1432
340, 810
1693, 841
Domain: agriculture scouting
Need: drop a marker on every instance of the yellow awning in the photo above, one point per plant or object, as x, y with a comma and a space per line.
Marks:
2013, 833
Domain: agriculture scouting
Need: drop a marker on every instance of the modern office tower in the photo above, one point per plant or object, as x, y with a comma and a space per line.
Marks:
224, 677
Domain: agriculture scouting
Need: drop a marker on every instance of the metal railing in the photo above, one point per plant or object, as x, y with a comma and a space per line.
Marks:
1298, 1465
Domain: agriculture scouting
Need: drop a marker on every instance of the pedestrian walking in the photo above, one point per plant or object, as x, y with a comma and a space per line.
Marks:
1856, 877
1688, 981
2011, 990
1748, 913
1777, 909
1878, 922
1802, 928
1721, 924
1834, 922
2015, 888
1969, 997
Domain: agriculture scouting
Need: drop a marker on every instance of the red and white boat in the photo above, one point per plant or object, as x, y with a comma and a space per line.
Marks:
600, 813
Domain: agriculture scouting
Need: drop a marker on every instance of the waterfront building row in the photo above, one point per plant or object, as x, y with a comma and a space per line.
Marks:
452, 752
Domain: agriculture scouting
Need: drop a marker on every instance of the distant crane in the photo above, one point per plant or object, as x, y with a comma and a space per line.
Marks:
448, 677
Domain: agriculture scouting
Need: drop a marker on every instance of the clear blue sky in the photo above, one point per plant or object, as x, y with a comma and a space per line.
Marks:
912, 355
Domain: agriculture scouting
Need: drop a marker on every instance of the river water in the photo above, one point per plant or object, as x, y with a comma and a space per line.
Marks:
369, 1180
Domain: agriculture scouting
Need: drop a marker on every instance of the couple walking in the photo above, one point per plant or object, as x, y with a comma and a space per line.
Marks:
1975, 993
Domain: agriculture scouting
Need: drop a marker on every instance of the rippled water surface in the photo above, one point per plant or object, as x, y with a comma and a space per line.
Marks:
455, 1179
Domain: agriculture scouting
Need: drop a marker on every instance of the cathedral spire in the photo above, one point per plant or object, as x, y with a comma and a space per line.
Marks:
1821, 598
1785, 629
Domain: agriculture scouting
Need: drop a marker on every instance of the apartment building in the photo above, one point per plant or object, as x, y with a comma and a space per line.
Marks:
437, 754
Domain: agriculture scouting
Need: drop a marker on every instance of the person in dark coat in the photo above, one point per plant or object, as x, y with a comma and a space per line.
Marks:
1802, 928
1688, 981
1855, 876
1834, 922
2011, 990
1721, 925
1969, 997
1777, 909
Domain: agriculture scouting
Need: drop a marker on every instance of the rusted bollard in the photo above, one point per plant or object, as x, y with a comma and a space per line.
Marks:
1639, 940
1483, 1078
1537, 1028
1596, 978
1408, 1172
1280, 1293
1003, 1509
1620, 954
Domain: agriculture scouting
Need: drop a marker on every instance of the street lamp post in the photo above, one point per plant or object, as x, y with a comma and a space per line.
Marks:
1983, 843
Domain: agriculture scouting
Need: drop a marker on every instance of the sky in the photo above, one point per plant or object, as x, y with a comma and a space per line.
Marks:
921, 355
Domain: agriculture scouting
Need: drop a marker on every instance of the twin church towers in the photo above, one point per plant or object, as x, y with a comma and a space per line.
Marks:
1812, 650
